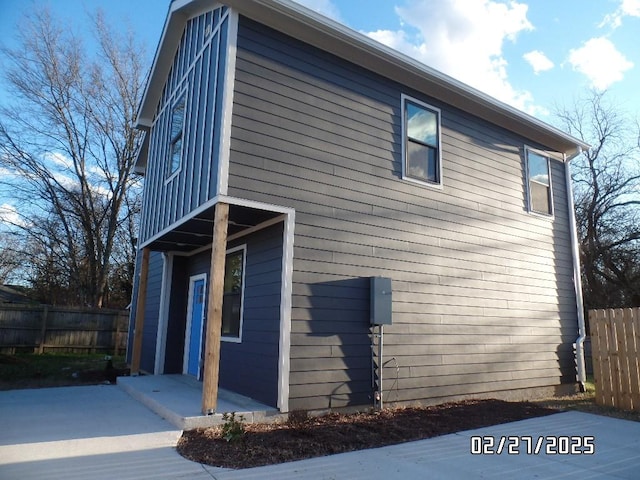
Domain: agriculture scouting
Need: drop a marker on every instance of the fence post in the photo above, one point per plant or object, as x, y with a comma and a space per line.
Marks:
43, 330
596, 353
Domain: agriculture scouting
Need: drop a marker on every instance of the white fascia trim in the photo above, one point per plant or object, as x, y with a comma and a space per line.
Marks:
183, 220
218, 198
163, 315
227, 104
141, 119
242, 202
577, 280
179, 12
284, 344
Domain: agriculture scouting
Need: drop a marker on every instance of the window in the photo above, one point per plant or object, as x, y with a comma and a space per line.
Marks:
177, 132
233, 294
421, 150
539, 180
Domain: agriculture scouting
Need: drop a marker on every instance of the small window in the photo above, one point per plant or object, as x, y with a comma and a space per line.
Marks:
177, 132
421, 129
233, 294
539, 183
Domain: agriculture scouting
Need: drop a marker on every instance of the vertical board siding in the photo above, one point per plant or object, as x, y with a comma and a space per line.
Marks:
249, 367
198, 71
177, 318
483, 292
151, 311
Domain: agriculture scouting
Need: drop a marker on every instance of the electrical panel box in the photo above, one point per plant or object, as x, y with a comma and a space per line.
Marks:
381, 301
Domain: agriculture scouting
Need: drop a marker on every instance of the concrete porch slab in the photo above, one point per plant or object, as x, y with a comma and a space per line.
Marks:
178, 399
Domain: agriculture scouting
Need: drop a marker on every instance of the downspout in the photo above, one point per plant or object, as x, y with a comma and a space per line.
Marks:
577, 279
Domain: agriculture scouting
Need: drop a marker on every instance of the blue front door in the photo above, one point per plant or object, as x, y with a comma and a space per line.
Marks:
195, 333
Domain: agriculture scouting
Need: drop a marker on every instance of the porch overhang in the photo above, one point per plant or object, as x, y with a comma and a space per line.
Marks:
195, 232
205, 229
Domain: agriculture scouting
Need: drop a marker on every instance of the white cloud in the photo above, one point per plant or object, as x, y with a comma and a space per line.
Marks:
464, 39
9, 216
600, 61
62, 171
324, 7
627, 8
538, 61
58, 160
65, 180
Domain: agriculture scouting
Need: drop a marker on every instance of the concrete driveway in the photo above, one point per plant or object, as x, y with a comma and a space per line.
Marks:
100, 432
96, 432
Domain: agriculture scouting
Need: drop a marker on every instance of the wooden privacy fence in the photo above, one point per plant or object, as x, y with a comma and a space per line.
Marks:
615, 343
43, 328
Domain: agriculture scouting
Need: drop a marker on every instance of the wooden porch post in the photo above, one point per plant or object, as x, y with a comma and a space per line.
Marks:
214, 310
142, 300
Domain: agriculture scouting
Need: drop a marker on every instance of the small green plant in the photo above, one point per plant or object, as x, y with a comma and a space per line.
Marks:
233, 427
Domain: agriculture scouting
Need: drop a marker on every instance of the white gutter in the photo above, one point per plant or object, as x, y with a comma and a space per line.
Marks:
577, 279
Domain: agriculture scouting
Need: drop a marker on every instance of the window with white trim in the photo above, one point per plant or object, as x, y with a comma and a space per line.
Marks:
177, 133
232, 303
421, 142
539, 183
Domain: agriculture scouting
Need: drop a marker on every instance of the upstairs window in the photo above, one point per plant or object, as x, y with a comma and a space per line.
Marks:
177, 133
233, 294
421, 137
539, 183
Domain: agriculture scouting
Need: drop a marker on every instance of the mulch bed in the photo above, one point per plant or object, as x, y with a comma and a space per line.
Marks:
302, 437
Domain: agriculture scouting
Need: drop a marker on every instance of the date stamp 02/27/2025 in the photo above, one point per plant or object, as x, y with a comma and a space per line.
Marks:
532, 445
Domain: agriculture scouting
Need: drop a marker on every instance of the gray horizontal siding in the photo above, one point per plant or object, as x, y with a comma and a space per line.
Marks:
475, 276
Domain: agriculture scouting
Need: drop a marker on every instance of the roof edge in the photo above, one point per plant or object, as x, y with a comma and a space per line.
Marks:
311, 27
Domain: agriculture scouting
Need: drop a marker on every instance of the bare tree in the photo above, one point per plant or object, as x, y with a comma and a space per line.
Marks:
607, 198
68, 143
11, 257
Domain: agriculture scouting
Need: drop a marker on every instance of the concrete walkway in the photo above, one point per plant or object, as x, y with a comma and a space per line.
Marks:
100, 432
178, 399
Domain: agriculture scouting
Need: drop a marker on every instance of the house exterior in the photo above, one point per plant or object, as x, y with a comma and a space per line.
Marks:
287, 161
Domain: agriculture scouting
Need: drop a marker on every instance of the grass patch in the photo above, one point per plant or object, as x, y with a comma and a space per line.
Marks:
58, 370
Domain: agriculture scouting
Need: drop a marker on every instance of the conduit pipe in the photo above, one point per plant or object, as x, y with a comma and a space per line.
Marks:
577, 278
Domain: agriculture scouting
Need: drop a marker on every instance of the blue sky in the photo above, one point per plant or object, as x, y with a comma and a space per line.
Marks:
530, 54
